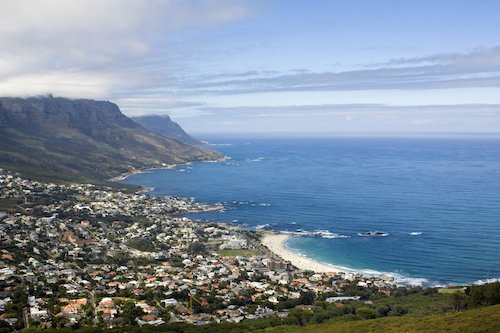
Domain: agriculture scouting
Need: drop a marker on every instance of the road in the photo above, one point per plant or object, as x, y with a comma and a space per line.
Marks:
26, 318
94, 307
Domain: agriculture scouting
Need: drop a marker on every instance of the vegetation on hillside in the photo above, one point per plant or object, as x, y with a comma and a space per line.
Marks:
58, 139
483, 320
407, 310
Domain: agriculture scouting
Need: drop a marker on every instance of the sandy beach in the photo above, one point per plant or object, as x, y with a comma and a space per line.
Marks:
276, 244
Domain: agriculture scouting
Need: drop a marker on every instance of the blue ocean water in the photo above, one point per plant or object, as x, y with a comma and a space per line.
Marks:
439, 200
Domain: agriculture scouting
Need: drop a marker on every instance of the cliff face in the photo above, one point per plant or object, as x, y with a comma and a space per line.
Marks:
81, 139
164, 126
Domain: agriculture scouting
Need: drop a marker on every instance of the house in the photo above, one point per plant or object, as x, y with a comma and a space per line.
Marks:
234, 244
341, 298
169, 302
150, 320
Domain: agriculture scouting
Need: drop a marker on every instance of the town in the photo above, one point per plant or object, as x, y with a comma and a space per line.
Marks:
77, 255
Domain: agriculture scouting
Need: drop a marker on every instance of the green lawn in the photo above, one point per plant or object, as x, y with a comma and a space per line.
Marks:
235, 253
215, 242
450, 290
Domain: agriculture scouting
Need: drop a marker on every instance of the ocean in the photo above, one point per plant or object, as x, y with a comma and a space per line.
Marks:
437, 198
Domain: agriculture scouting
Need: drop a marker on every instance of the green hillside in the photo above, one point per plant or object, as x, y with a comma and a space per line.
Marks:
484, 320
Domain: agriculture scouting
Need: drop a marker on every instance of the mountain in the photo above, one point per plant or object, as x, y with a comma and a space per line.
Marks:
82, 140
163, 125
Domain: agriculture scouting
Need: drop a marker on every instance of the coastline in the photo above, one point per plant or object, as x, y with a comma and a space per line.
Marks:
125, 175
275, 242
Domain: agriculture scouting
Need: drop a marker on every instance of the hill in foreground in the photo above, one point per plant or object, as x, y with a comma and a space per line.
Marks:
81, 140
483, 320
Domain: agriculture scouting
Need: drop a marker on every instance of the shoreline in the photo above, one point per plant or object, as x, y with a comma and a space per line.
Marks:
275, 242
127, 174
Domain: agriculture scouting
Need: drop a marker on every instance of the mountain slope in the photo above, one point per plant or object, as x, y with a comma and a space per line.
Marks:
163, 125
81, 139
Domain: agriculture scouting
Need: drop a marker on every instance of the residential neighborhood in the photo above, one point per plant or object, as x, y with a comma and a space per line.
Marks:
85, 255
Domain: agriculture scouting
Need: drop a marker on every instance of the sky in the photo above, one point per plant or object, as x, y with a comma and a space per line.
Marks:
265, 66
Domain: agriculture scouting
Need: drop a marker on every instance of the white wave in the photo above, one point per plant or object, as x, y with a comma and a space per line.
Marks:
409, 281
479, 282
261, 226
265, 204
316, 233
258, 159
396, 278
336, 236
219, 144
415, 233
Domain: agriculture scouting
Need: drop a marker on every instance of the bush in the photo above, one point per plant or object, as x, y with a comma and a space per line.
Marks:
383, 310
486, 294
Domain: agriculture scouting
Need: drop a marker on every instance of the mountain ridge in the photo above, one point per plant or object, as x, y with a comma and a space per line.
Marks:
82, 139
164, 126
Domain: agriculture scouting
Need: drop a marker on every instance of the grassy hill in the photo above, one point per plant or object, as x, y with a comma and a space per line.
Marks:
483, 320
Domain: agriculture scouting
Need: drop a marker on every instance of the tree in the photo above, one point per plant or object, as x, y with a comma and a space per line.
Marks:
5, 327
307, 298
130, 312
60, 322
383, 310
366, 313
301, 316
197, 247
486, 294
458, 301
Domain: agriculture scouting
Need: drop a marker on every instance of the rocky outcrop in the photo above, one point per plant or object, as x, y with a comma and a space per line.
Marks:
164, 126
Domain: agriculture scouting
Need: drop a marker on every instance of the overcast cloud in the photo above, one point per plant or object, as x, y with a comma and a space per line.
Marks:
479, 68
224, 64
95, 48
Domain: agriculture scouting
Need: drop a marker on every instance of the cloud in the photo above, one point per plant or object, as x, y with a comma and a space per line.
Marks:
342, 109
136, 53
335, 119
107, 39
479, 68
480, 59
73, 85
145, 105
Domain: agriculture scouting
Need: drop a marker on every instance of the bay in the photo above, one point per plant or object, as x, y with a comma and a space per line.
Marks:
437, 198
